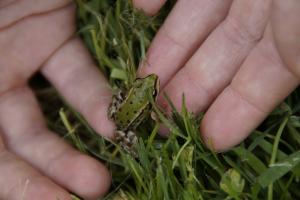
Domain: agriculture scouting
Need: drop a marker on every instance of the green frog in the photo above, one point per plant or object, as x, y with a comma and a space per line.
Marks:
130, 108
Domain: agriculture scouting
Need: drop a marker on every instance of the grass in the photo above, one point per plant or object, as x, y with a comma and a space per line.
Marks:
265, 166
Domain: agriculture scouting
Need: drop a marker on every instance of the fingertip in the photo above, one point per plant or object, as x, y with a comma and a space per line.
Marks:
149, 7
163, 103
92, 179
164, 131
210, 137
97, 115
144, 69
228, 121
103, 125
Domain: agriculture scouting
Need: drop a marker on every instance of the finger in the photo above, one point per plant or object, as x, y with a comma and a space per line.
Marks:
12, 11
72, 71
184, 30
286, 30
26, 135
261, 83
214, 64
149, 7
36, 42
20, 181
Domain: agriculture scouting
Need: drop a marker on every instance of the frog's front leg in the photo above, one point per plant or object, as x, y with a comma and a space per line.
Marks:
127, 140
114, 106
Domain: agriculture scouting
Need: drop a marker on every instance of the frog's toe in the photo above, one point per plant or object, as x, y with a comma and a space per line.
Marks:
120, 135
132, 137
154, 116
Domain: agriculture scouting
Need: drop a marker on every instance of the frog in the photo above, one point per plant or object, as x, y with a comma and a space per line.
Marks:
130, 108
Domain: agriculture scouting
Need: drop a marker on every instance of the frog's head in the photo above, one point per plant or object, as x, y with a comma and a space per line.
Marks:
150, 82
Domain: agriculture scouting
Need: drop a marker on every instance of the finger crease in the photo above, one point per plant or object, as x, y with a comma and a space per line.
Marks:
173, 40
245, 99
51, 163
12, 89
35, 13
198, 87
239, 34
23, 139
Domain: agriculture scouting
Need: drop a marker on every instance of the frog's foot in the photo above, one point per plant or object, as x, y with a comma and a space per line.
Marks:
155, 117
127, 141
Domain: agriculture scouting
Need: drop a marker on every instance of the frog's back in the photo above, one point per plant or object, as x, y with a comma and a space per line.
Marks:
134, 109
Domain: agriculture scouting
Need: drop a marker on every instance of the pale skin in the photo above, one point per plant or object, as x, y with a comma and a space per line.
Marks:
235, 59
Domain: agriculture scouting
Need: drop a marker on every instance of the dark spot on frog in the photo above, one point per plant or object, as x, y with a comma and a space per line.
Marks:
131, 102
139, 85
127, 113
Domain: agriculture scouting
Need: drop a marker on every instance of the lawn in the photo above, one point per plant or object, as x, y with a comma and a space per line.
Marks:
265, 166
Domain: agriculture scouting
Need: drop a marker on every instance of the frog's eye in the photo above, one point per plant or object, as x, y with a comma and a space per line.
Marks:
138, 81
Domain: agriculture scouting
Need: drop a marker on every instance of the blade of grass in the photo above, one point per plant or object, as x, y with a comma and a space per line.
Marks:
279, 169
274, 153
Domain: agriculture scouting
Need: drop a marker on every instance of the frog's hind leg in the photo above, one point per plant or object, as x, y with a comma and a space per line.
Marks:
131, 138
127, 141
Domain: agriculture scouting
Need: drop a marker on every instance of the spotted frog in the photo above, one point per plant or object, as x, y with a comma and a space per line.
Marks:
130, 108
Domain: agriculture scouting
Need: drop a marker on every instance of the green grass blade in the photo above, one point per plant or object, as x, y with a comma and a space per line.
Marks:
277, 170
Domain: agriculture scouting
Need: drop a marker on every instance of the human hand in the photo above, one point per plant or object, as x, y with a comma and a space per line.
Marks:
235, 59
35, 163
